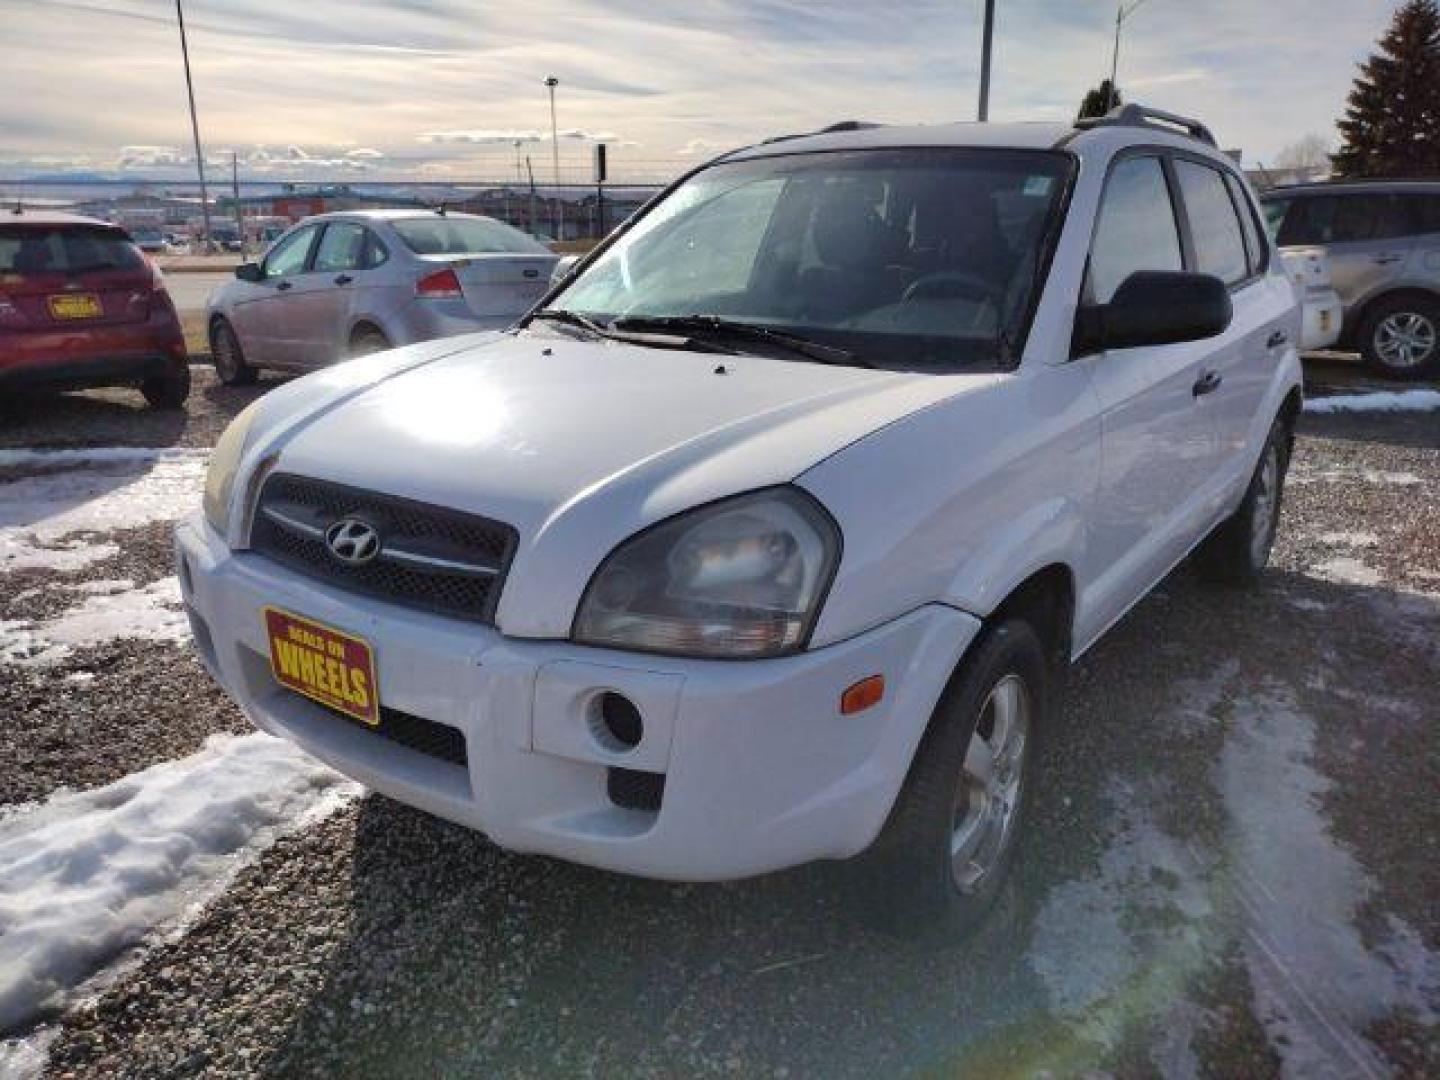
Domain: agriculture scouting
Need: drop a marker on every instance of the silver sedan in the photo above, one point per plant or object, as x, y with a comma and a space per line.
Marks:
345, 284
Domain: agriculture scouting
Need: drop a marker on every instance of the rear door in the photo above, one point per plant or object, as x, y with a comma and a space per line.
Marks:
71, 277
1224, 241
1159, 449
262, 315
1363, 234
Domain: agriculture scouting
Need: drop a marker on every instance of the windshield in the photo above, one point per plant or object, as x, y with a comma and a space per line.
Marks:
919, 259
464, 236
29, 250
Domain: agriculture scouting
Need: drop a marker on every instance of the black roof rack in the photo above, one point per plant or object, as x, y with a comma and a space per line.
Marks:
842, 125
1146, 117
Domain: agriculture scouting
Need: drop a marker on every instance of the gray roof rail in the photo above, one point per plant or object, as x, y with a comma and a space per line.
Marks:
843, 125
1146, 117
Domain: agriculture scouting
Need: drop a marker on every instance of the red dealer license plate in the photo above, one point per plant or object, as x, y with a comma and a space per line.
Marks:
326, 665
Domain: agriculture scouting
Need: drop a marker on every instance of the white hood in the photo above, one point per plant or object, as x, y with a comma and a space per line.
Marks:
581, 444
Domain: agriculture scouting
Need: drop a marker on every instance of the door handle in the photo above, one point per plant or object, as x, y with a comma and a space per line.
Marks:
1206, 384
283, 286
344, 279
1277, 339
1385, 260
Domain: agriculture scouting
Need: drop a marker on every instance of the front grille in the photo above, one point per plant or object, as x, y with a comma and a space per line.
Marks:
415, 732
430, 557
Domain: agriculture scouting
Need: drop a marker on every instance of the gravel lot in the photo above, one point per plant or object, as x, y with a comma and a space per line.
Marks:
1232, 869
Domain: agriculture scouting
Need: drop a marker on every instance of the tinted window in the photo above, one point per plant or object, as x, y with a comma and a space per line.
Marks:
1254, 242
1422, 213
1219, 246
288, 256
1342, 219
29, 250
1136, 230
463, 236
341, 247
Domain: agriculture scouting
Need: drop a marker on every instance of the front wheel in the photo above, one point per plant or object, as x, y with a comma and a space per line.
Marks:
1237, 552
227, 355
947, 847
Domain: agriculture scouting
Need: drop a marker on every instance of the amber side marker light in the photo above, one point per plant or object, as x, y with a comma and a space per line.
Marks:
862, 695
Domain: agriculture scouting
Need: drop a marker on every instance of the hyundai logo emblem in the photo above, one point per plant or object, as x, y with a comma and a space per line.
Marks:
352, 541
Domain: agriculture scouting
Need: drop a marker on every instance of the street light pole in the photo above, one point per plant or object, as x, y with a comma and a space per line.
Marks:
194, 123
987, 41
1122, 12
551, 82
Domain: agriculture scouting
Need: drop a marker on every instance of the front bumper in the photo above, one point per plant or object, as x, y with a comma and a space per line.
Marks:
761, 769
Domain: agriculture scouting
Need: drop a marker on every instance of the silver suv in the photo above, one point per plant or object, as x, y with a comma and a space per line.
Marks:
1383, 243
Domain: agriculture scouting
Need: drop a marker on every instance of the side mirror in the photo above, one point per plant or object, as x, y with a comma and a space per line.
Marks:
1155, 308
249, 272
562, 268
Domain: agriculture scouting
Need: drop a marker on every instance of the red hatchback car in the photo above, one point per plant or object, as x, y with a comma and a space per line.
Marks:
81, 306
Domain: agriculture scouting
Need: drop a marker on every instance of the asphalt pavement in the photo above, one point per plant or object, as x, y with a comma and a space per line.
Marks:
1231, 869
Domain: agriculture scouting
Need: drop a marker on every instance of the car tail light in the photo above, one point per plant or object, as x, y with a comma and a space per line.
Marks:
441, 285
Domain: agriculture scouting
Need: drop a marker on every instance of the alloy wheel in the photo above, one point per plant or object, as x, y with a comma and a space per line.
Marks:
1262, 514
1405, 340
987, 796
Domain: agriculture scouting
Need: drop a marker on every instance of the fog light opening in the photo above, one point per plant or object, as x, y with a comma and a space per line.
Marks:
616, 722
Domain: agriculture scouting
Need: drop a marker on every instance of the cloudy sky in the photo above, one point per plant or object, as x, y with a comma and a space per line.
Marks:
446, 87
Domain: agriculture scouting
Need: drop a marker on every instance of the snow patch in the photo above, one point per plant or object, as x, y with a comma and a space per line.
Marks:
1350, 539
85, 876
1348, 474
1380, 401
1348, 571
92, 490
111, 609
1316, 985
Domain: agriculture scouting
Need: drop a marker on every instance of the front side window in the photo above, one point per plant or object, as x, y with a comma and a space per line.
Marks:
289, 255
30, 250
1136, 230
340, 248
923, 259
1214, 228
436, 235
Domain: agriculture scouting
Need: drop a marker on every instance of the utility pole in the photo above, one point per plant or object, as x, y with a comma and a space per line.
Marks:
531, 170
985, 50
1122, 12
194, 123
551, 82
235, 192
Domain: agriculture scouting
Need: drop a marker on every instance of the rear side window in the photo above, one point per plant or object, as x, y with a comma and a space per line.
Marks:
1422, 213
1342, 219
464, 236
1136, 230
1254, 242
375, 252
1214, 227
32, 250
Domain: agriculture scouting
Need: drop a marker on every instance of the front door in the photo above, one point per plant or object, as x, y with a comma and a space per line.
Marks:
262, 315
1159, 439
324, 295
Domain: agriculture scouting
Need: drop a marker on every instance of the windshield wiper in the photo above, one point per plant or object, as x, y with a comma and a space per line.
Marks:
714, 324
613, 332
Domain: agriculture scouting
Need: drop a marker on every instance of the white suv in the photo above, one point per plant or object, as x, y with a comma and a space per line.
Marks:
769, 536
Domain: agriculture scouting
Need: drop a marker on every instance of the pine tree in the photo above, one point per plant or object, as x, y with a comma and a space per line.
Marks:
1099, 101
1392, 123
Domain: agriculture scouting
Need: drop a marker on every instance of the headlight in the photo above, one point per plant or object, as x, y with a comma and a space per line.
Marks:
224, 464
743, 577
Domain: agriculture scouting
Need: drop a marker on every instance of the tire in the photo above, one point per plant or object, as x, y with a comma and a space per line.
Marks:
909, 882
1400, 336
367, 340
168, 391
1237, 551
228, 357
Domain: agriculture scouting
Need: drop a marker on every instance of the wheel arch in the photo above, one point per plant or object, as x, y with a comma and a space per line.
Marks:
1045, 600
363, 323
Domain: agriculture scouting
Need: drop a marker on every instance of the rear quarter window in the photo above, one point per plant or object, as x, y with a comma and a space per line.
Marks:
31, 250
